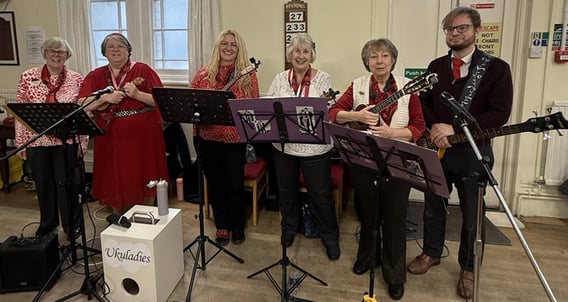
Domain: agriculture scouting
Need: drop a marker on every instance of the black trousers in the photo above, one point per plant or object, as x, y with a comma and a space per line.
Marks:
49, 174
459, 164
383, 204
224, 167
317, 176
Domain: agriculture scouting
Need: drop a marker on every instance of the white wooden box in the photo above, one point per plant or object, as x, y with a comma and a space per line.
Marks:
143, 262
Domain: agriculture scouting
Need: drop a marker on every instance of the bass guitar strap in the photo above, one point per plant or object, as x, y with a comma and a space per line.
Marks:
473, 81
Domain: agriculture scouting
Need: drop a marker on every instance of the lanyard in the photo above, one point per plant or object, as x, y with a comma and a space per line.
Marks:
303, 86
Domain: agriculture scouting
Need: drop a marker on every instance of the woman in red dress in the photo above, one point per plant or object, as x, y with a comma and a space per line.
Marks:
220, 153
132, 151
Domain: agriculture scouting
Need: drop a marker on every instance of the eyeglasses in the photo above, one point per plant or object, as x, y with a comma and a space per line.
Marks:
461, 28
52, 52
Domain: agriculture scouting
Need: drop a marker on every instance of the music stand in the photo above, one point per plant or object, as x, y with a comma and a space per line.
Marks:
284, 120
197, 106
417, 166
65, 121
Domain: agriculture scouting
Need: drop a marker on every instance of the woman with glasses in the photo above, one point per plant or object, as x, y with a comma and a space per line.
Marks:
220, 153
132, 151
51, 83
383, 202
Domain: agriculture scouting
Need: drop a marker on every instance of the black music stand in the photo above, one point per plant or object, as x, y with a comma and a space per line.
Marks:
197, 106
65, 121
388, 158
284, 120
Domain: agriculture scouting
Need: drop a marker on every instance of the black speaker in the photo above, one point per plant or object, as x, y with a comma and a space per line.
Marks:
27, 263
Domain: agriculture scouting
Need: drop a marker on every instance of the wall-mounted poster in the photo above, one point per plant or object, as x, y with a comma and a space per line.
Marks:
9, 45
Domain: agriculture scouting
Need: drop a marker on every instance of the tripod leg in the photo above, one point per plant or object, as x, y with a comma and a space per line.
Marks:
226, 251
195, 266
306, 273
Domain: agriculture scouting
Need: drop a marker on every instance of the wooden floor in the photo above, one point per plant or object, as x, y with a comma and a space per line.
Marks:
507, 274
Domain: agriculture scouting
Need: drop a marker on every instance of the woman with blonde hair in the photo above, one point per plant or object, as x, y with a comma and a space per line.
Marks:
220, 153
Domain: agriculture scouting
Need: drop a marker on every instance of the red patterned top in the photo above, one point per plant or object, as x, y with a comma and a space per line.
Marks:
227, 134
31, 89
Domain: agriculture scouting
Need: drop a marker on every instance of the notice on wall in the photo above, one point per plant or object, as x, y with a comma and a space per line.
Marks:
557, 37
411, 73
34, 36
489, 38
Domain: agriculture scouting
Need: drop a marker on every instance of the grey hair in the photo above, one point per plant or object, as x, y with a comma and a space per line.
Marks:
302, 39
119, 38
378, 44
56, 43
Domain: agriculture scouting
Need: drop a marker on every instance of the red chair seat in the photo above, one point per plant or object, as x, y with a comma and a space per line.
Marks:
253, 170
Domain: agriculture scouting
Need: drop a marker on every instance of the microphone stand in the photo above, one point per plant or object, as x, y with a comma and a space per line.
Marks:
478, 244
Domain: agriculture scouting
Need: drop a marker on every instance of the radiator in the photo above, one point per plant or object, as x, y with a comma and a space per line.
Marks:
6, 96
556, 166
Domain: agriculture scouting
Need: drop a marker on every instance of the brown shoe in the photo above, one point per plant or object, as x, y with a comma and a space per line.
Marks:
465, 284
422, 264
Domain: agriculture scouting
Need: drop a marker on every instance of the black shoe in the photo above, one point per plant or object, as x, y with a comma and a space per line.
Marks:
396, 291
332, 250
359, 268
238, 236
288, 239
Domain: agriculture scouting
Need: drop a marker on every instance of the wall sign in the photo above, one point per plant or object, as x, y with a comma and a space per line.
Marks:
295, 21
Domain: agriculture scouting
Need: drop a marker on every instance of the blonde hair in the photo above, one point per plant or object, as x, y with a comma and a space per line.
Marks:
241, 61
56, 43
301, 40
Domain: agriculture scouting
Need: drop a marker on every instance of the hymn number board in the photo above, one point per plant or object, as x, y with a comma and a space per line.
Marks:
295, 21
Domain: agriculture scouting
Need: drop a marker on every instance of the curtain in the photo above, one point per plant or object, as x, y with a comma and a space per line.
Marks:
74, 24
204, 26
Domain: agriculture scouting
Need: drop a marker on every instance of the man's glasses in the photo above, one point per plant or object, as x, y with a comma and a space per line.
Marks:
52, 52
461, 28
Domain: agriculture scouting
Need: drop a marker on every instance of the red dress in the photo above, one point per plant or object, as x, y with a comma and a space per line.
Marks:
132, 152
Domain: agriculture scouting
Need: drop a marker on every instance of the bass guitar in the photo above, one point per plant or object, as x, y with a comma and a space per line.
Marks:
553, 121
420, 83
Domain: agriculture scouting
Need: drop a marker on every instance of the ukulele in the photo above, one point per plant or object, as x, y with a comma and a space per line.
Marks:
421, 82
105, 112
252, 67
536, 124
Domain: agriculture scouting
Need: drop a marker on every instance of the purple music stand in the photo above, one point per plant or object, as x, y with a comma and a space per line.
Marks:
284, 120
417, 166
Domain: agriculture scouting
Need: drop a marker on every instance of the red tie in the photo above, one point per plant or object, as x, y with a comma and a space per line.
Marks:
456, 64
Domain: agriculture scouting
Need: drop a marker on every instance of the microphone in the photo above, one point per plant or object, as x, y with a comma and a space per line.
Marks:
118, 220
456, 107
108, 89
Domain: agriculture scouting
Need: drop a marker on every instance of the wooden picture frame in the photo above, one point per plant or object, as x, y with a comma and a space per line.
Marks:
9, 45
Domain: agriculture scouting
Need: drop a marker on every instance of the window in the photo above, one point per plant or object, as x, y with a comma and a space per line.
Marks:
170, 34
167, 29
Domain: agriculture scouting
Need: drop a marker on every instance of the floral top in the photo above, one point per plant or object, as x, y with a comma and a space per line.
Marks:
31, 89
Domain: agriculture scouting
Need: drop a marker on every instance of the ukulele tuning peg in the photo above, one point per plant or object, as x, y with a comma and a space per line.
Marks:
545, 136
